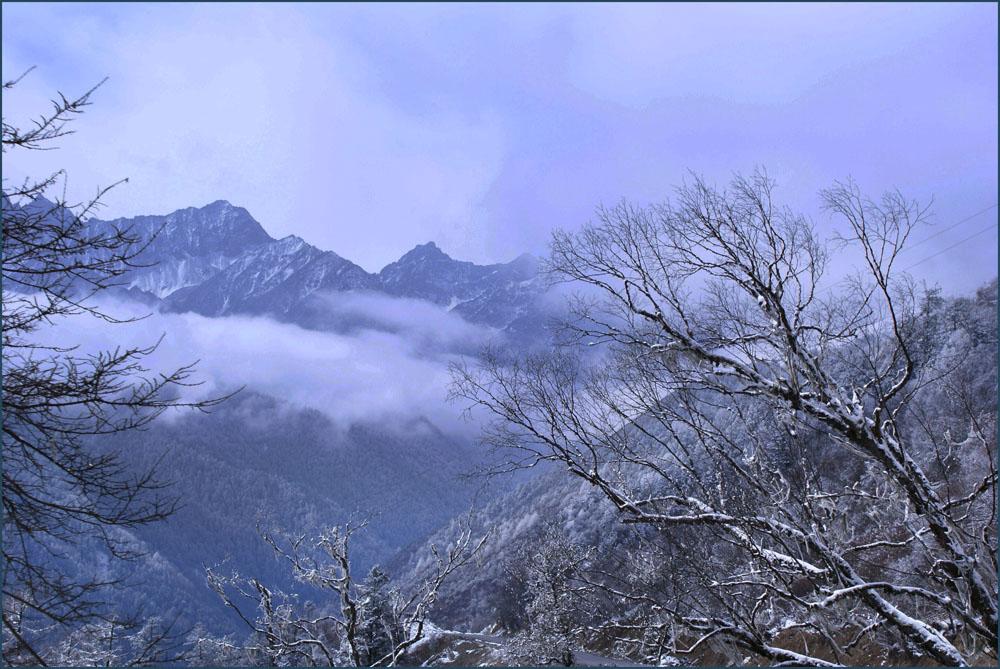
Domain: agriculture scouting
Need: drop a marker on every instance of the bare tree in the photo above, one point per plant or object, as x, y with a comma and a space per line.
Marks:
556, 600
108, 643
769, 424
63, 493
362, 627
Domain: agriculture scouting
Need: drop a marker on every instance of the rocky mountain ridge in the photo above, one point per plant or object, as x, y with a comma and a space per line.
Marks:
218, 260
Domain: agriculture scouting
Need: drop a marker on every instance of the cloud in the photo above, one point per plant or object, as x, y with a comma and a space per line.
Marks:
367, 375
428, 328
369, 129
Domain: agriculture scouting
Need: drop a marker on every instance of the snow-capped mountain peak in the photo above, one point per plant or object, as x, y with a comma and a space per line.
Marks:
190, 245
217, 260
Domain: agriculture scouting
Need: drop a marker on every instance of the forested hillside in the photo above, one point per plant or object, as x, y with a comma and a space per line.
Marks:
612, 578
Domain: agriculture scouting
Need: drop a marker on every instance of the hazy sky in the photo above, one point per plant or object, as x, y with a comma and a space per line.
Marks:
369, 129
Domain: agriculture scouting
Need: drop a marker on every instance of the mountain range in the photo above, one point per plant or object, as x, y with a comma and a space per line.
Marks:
217, 260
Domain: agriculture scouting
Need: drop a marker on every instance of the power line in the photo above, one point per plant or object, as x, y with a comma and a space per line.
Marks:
950, 227
958, 243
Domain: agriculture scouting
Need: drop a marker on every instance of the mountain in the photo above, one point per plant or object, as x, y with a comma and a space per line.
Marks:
190, 245
494, 295
271, 279
217, 260
514, 520
257, 460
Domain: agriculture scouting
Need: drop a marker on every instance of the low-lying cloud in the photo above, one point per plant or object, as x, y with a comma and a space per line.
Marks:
429, 328
391, 369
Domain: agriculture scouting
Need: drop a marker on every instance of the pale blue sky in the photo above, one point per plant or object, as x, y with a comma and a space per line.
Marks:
369, 129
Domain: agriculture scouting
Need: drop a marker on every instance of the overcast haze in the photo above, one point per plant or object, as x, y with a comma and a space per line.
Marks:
367, 130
